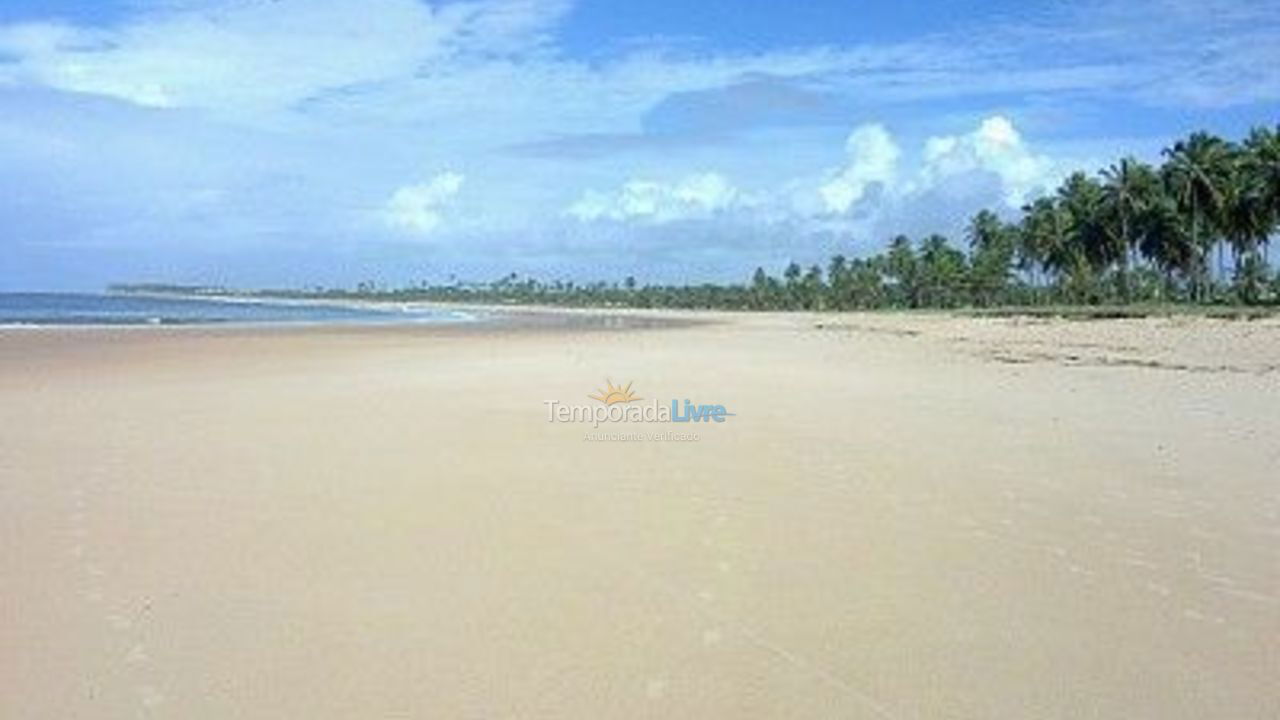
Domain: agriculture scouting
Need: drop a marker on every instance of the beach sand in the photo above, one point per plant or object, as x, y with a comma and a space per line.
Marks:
906, 517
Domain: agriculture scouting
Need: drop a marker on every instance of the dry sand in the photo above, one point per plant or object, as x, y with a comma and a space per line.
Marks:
908, 517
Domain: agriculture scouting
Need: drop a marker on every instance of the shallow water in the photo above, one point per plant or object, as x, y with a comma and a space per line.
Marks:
40, 309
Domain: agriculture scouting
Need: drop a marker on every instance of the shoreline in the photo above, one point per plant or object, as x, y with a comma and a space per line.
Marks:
478, 314
481, 313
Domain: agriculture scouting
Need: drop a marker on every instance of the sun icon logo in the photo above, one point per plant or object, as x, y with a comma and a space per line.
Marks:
612, 395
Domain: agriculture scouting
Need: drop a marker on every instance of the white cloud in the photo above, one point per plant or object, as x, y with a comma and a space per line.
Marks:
992, 154
873, 159
936, 188
298, 117
473, 63
419, 208
252, 56
995, 147
879, 184
698, 196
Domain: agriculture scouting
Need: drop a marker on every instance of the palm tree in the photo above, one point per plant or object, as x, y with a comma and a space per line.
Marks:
1043, 237
1247, 221
1081, 198
866, 282
900, 267
1027, 248
991, 246
1196, 174
813, 289
1166, 241
838, 280
792, 277
760, 290
1261, 174
1075, 249
942, 272
1127, 190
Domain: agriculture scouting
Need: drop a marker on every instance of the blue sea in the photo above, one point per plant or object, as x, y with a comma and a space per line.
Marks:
44, 309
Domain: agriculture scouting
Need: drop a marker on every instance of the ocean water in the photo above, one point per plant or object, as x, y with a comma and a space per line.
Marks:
43, 309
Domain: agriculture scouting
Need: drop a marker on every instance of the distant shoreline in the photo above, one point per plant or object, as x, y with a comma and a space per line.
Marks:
381, 314
1064, 311
174, 310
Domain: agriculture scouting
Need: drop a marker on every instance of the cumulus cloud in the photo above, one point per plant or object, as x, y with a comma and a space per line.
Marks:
890, 185
419, 208
995, 147
698, 196
872, 159
991, 165
877, 185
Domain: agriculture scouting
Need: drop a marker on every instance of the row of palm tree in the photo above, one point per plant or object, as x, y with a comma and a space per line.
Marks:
1195, 229
1210, 197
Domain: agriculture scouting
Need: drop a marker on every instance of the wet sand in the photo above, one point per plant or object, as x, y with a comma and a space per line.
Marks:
907, 517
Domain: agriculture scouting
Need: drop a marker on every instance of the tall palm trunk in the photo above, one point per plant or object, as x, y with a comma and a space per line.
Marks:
1193, 268
1124, 256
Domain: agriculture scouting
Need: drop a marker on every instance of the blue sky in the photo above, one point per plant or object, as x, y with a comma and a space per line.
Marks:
292, 142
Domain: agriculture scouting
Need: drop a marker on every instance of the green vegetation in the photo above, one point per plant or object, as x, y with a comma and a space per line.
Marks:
1192, 232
